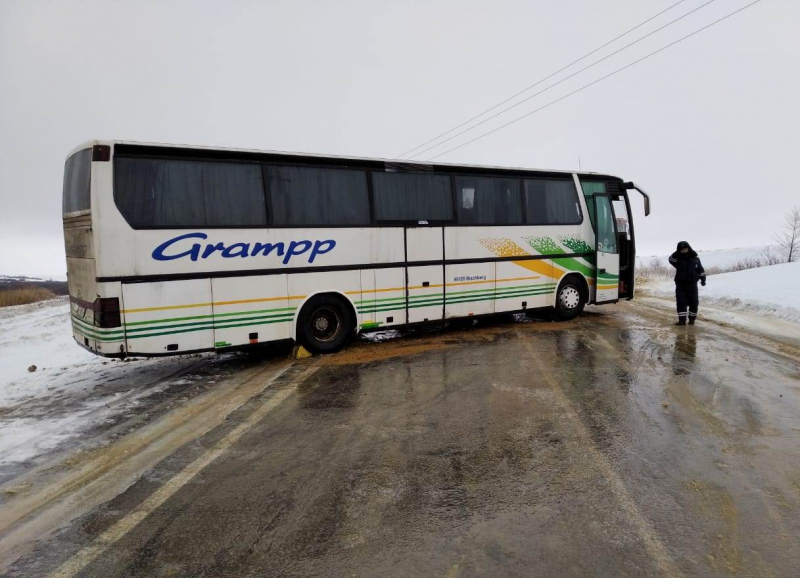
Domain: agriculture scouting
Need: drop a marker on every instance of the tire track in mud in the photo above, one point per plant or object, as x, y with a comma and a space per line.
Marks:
650, 538
97, 476
117, 531
695, 412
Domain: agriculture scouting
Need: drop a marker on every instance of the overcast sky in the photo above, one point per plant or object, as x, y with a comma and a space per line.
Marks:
709, 127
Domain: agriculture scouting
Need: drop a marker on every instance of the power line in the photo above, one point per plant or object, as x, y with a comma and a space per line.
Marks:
574, 74
671, 44
538, 82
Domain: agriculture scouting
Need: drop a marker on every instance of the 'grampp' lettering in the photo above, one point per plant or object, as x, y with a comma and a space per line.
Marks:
181, 247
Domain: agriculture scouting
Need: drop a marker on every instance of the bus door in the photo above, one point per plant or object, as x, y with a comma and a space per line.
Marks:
625, 246
424, 273
606, 274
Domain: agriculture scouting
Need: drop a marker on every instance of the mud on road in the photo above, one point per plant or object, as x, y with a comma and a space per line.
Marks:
614, 445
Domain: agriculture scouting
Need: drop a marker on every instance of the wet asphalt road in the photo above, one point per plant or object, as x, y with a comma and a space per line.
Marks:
614, 445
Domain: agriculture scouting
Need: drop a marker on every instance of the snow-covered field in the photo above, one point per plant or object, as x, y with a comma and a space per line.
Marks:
719, 258
71, 391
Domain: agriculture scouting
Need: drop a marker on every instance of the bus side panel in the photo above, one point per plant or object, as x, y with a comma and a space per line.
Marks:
469, 289
524, 285
389, 298
425, 282
388, 302
469, 286
168, 317
251, 310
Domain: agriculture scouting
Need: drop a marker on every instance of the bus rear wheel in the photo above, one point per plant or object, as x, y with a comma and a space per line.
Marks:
325, 324
570, 299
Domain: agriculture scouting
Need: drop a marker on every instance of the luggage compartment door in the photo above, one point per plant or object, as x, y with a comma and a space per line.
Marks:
424, 273
168, 317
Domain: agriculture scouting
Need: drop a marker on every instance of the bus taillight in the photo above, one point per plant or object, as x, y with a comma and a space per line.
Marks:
106, 312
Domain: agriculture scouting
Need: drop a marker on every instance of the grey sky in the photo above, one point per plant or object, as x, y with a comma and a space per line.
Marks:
709, 127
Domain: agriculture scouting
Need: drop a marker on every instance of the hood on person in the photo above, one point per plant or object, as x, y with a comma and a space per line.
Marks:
688, 253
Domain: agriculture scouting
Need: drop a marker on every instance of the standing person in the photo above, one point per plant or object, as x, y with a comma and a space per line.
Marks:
688, 271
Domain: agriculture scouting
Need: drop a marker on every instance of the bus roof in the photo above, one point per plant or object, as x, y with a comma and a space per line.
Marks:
339, 159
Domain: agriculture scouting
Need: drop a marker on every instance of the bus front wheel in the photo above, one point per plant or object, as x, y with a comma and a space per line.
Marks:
570, 299
325, 324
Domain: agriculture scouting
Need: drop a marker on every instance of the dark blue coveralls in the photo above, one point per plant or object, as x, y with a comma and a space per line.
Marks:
688, 271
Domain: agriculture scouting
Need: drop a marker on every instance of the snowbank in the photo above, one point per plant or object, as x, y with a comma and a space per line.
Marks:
765, 300
71, 390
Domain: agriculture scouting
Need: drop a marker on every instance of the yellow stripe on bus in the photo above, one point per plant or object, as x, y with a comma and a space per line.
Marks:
238, 302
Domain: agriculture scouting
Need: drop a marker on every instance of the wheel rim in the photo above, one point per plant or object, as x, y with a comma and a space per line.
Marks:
569, 298
326, 323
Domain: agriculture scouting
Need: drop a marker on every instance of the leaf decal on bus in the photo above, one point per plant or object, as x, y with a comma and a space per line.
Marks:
544, 245
503, 247
576, 244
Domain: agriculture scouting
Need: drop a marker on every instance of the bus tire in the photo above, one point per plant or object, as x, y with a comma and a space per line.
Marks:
570, 298
326, 323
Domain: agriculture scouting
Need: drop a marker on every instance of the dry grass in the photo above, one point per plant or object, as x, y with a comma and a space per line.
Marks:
653, 271
658, 269
23, 295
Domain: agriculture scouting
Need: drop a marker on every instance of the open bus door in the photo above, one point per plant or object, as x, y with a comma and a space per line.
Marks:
606, 272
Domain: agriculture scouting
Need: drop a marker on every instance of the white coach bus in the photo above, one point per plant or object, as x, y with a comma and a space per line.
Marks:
176, 249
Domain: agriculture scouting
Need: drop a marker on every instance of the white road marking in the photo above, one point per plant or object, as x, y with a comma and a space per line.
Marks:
107, 539
650, 538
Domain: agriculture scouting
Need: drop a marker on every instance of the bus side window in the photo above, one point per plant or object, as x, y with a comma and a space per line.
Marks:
176, 193
412, 197
552, 202
488, 201
310, 196
589, 190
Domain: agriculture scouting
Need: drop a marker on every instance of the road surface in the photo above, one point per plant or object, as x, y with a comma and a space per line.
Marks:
613, 445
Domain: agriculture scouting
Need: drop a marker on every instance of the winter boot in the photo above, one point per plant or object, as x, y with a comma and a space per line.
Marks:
681, 321
691, 320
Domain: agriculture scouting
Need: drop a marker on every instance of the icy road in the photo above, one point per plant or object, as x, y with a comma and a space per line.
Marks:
614, 445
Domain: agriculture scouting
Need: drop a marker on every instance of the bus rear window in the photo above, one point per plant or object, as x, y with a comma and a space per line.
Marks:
77, 173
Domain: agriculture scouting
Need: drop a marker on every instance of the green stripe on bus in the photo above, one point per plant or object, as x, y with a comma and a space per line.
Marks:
572, 264
214, 315
402, 298
214, 323
455, 300
95, 329
242, 315
229, 325
449, 294
211, 324
90, 335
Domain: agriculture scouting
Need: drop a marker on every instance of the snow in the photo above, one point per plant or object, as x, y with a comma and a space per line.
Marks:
378, 336
720, 257
72, 390
764, 300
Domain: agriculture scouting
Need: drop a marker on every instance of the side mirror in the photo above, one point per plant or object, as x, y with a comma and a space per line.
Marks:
631, 185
